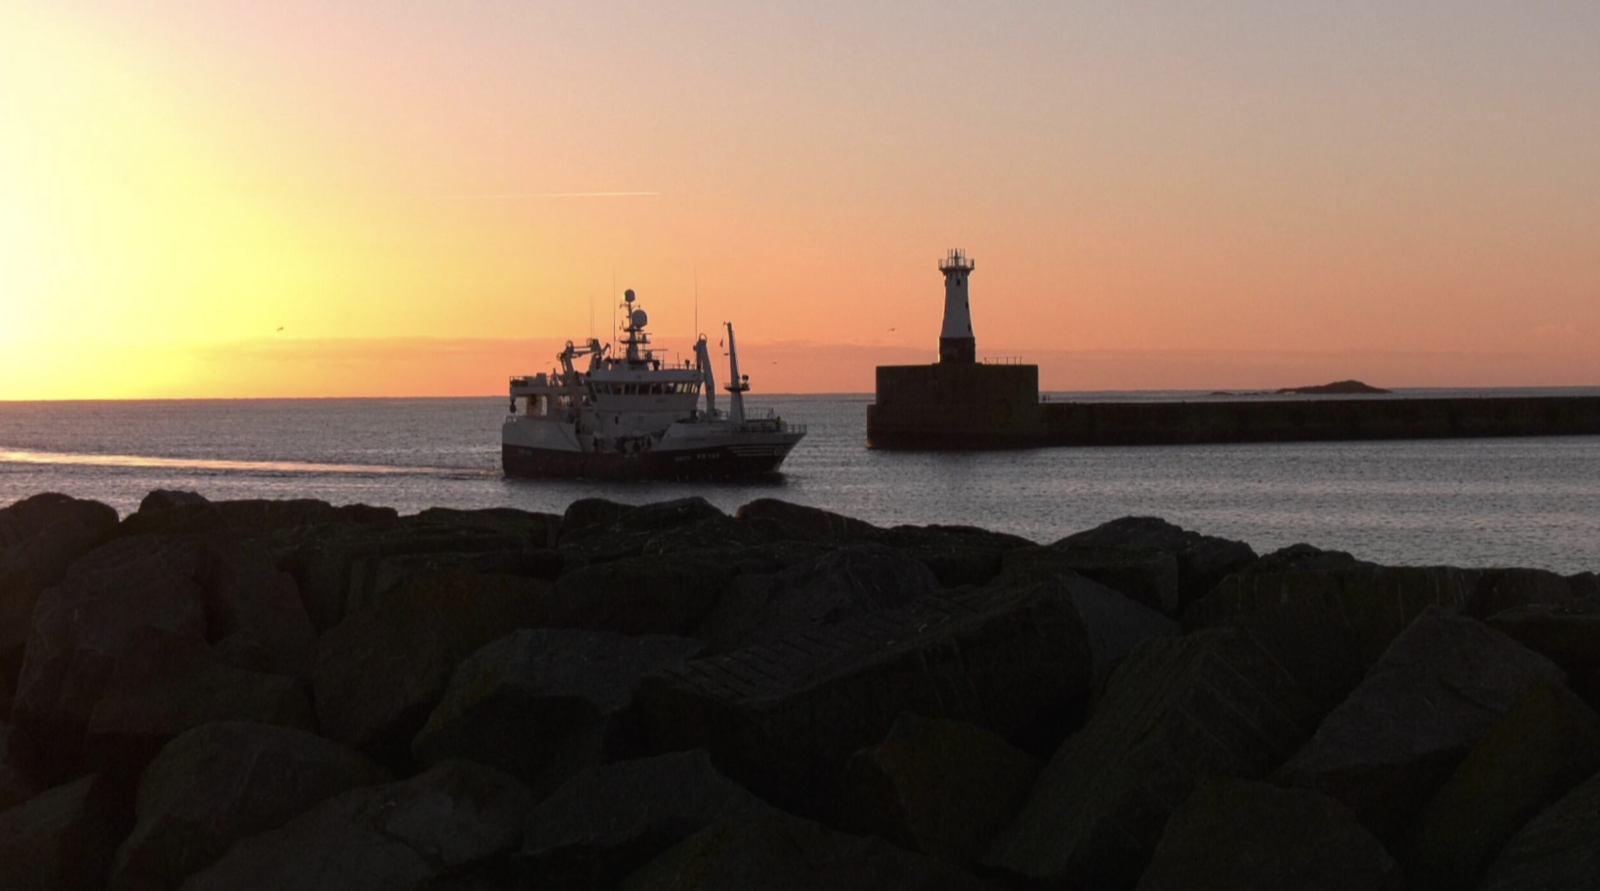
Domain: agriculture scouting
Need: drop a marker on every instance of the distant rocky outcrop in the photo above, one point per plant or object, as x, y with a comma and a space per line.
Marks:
1337, 388
296, 695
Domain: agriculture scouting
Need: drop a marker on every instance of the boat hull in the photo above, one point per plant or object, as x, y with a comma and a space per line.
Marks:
704, 462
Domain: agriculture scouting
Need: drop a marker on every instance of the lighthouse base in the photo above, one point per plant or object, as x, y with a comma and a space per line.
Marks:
962, 350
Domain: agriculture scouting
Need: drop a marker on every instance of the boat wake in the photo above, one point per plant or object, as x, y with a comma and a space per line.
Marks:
27, 456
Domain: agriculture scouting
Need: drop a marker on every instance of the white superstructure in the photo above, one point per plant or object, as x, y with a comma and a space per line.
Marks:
635, 414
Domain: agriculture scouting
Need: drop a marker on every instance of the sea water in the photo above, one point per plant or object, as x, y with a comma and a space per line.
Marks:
1488, 502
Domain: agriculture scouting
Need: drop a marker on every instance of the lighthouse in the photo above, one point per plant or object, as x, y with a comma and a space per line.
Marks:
956, 343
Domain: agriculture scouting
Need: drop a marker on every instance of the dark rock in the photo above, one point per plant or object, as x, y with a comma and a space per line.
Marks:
1560, 848
717, 534
1212, 704
39, 538
833, 588
804, 523
164, 685
220, 783
18, 773
537, 529
1502, 589
218, 605
1249, 836
587, 514
1305, 558
1147, 576
1585, 586
607, 822
165, 512
586, 531
1547, 743
784, 717
957, 555
1389, 747
381, 671
438, 826
1338, 388
940, 787
354, 568
668, 594
1113, 624
1203, 560
1328, 626
778, 852
1569, 636
545, 705
61, 840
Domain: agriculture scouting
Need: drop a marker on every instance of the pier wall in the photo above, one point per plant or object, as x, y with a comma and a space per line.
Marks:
997, 407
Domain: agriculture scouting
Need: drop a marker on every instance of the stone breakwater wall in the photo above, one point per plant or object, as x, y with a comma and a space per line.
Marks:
289, 694
994, 407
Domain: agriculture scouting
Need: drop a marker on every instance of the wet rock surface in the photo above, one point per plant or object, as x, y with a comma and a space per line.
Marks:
292, 694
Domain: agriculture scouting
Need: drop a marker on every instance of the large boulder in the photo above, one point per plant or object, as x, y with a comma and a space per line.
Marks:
801, 522
1178, 710
1568, 635
940, 787
60, 840
833, 588
420, 833
381, 671
957, 555
1329, 625
39, 538
1147, 576
166, 685
345, 570
667, 594
168, 512
1547, 743
544, 705
141, 610
220, 783
1502, 589
784, 717
606, 822
1560, 848
779, 852
18, 769
1203, 560
599, 530
1387, 749
1249, 836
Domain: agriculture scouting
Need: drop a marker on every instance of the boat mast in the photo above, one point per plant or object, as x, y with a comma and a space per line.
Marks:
702, 358
737, 385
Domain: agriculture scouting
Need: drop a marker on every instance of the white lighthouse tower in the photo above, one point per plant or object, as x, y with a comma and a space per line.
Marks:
956, 343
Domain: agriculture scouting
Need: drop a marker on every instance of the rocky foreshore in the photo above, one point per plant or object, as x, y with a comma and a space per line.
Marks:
291, 695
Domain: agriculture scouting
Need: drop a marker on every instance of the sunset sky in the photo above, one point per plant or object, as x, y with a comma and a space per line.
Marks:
424, 196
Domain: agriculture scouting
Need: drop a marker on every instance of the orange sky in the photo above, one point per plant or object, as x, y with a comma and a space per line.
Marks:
1165, 195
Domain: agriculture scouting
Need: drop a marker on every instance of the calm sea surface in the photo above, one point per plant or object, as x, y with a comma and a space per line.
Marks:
1520, 502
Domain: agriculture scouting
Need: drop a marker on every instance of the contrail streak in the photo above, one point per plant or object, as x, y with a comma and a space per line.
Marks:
558, 195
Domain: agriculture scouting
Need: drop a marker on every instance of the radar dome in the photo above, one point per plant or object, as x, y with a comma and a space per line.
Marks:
640, 319
628, 295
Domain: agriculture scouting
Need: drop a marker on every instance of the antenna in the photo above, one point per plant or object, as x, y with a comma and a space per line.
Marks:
697, 301
613, 303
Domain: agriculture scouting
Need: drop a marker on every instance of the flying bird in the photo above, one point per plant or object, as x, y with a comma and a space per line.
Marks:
280, 328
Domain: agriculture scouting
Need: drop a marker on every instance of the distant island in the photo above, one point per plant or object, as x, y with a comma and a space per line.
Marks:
1338, 388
